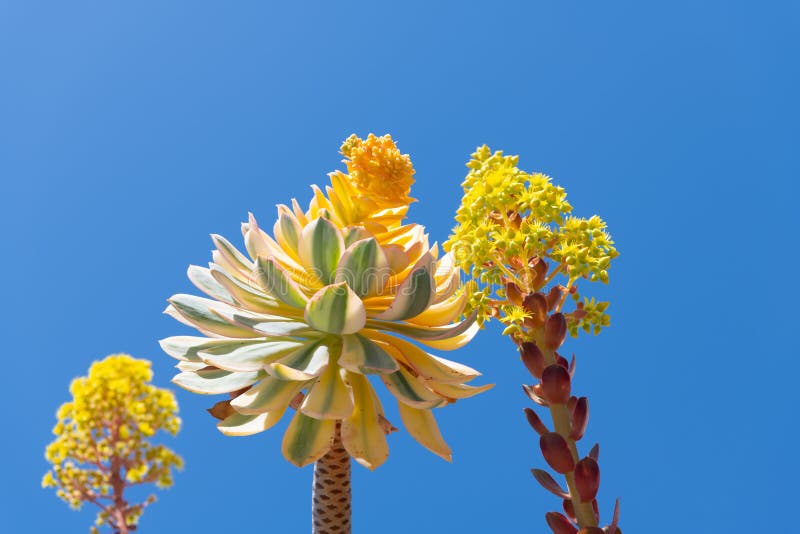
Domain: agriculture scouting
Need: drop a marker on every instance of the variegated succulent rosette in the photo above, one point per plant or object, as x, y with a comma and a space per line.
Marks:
304, 317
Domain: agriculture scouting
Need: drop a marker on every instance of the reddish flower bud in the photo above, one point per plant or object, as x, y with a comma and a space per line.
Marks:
536, 305
532, 394
571, 403
569, 509
587, 478
562, 361
548, 483
594, 453
535, 422
591, 530
556, 452
539, 272
555, 330
559, 524
532, 357
554, 296
513, 294
555, 384
580, 418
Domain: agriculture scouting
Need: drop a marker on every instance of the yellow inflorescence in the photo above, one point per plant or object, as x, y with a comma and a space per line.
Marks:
510, 220
101, 434
378, 169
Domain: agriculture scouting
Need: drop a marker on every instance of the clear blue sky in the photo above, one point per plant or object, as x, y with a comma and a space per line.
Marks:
129, 131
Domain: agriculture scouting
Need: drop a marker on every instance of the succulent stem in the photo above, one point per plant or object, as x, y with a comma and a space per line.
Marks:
331, 505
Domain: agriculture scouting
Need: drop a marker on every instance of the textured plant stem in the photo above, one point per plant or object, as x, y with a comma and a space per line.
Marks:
331, 508
584, 511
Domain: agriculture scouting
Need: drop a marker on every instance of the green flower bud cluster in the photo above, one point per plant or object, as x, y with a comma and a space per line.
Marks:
516, 228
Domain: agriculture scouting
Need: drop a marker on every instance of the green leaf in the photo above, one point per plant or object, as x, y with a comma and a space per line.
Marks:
362, 434
364, 267
279, 284
269, 395
336, 309
203, 314
304, 363
187, 347
287, 232
362, 355
414, 294
411, 390
329, 397
247, 356
307, 439
246, 425
321, 246
205, 282
214, 381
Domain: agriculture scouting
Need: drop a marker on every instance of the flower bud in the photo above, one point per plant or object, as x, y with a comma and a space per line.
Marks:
536, 305
555, 384
513, 294
559, 524
569, 509
535, 422
555, 330
587, 478
554, 296
556, 452
532, 357
580, 418
539, 272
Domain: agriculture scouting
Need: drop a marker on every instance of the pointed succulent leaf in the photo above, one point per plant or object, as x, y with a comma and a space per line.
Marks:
187, 348
457, 391
428, 365
245, 293
336, 309
361, 355
287, 232
414, 294
304, 363
307, 439
428, 335
214, 381
329, 397
247, 356
321, 246
279, 284
410, 390
421, 424
364, 267
362, 435
238, 424
202, 314
269, 395
205, 282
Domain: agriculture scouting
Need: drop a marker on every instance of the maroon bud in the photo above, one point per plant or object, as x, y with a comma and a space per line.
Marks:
535, 422
556, 452
591, 530
553, 297
536, 305
555, 330
539, 271
513, 294
587, 478
562, 361
580, 418
532, 394
555, 384
594, 453
571, 403
532, 357
548, 483
569, 509
559, 524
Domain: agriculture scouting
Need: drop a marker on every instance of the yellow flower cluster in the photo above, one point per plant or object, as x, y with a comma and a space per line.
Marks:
101, 443
515, 230
378, 169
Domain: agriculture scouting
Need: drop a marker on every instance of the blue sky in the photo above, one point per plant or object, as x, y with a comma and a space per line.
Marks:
130, 131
